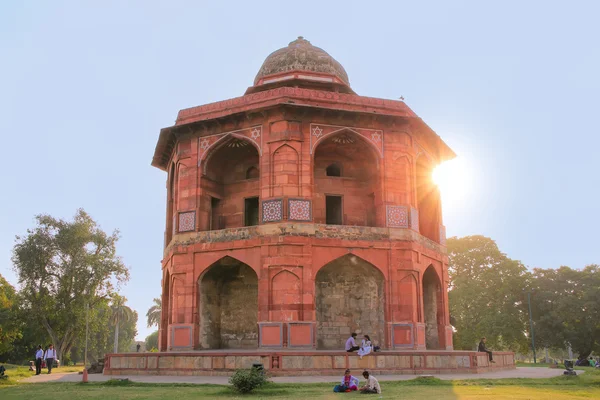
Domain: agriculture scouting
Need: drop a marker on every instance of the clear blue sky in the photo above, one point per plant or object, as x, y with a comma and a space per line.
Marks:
513, 87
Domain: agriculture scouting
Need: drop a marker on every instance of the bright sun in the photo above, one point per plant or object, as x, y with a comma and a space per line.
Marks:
453, 179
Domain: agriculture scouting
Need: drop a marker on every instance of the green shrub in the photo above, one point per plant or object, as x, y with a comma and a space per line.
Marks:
246, 380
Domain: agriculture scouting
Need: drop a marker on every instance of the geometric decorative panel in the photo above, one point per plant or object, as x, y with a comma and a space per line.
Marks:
187, 221
414, 219
272, 210
397, 216
299, 210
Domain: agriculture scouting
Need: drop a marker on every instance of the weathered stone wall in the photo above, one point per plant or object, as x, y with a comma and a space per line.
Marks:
229, 307
430, 307
349, 298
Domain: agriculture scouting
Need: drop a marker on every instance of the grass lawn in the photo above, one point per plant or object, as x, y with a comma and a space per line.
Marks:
586, 386
15, 373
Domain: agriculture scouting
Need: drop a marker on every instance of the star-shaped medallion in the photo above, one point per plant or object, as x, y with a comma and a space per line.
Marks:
204, 144
317, 131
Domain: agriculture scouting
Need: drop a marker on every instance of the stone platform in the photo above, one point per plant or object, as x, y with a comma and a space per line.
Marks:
305, 363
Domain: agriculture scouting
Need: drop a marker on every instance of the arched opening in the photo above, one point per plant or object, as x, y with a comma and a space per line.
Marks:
432, 308
252, 173
428, 201
170, 205
348, 198
164, 315
349, 297
228, 297
333, 170
230, 185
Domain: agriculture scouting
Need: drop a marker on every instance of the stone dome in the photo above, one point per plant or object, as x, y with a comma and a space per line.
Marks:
300, 55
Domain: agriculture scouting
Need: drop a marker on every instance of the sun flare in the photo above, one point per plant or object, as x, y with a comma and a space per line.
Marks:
453, 180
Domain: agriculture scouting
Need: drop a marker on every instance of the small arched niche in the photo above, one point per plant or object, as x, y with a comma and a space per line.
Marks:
252, 173
333, 170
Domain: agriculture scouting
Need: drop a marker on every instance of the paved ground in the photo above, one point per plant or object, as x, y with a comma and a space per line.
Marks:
523, 372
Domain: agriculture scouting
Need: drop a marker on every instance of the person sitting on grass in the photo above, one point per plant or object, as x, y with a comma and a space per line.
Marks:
349, 383
371, 386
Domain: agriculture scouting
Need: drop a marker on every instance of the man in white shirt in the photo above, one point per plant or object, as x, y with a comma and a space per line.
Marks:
50, 356
371, 386
39, 354
351, 343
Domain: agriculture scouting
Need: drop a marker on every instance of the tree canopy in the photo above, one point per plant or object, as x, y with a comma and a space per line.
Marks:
486, 294
9, 325
153, 314
62, 266
566, 308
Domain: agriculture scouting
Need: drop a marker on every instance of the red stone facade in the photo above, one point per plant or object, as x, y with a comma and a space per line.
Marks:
301, 212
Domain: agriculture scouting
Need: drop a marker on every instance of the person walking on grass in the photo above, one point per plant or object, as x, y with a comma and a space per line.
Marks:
483, 349
39, 354
50, 356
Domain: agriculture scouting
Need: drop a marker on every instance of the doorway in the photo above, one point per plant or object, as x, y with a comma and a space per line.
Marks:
333, 210
251, 211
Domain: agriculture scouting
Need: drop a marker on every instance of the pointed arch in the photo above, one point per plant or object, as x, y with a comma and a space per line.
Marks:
165, 312
233, 199
252, 173
346, 130
433, 308
205, 160
408, 296
228, 305
334, 169
349, 294
285, 171
285, 296
357, 198
170, 205
428, 199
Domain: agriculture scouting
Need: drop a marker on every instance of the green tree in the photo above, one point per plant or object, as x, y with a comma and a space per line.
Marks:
153, 313
566, 308
120, 313
486, 295
62, 266
9, 326
152, 341
102, 332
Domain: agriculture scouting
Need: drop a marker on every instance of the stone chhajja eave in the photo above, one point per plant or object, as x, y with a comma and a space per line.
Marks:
371, 236
288, 96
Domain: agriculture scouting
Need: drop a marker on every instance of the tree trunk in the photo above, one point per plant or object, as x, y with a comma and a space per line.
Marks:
117, 337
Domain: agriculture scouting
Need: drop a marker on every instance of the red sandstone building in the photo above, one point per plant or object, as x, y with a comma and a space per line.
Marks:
301, 212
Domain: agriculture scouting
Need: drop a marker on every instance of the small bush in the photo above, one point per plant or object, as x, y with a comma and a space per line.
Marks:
246, 380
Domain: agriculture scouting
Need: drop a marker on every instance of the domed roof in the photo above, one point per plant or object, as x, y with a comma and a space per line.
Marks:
303, 56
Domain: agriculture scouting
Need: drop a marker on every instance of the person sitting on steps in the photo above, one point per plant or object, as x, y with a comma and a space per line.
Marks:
365, 347
483, 349
351, 343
